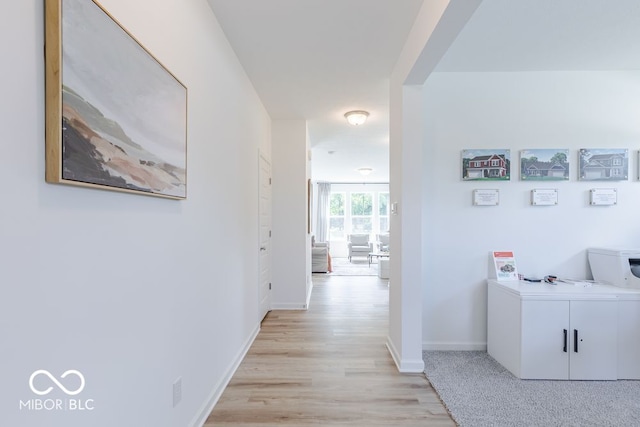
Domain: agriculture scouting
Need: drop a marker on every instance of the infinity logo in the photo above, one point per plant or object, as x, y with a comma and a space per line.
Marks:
56, 382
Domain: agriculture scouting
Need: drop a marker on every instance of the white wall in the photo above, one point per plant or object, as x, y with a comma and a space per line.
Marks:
132, 291
517, 111
435, 27
291, 242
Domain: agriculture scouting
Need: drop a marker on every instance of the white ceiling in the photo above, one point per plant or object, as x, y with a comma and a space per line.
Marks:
317, 59
548, 35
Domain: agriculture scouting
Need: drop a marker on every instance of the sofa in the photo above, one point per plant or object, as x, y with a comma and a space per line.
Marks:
320, 257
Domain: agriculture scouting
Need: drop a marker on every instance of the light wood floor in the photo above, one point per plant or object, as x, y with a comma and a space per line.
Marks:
328, 366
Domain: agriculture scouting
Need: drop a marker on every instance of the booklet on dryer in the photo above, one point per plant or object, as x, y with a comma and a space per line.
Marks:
504, 264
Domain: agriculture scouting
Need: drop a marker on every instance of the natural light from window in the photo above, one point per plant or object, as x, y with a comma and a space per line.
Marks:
358, 212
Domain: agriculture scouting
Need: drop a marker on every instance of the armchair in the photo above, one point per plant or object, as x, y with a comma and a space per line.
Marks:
359, 245
382, 242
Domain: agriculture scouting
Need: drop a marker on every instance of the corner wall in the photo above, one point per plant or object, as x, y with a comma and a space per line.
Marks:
134, 292
291, 242
435, 27
517, 111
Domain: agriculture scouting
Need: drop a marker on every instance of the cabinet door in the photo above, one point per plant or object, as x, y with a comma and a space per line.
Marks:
628, 340
544, 349
594, 340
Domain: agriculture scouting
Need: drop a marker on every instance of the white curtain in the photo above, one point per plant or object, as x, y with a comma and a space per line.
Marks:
322, 219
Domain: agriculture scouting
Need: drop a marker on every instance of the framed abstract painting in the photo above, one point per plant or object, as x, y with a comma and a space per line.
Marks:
116, 118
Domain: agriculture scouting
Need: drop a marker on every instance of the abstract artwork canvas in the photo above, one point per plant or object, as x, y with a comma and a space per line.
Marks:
116, 118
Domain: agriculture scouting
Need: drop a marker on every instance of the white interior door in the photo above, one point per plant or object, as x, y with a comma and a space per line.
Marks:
265, 237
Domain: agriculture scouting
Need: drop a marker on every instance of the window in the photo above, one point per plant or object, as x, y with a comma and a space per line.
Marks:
336, 216
358, 212
495, 162
617, 161
361, 213
383, 212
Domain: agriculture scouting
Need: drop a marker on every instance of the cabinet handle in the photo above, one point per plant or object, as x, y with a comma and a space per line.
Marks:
565, 341
575, 340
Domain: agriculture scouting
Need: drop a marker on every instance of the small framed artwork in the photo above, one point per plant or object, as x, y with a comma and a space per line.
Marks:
604, 164
116, 118
486, 165
544, 165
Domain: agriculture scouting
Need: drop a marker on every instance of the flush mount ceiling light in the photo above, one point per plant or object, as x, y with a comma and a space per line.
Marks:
364, 171
357, 117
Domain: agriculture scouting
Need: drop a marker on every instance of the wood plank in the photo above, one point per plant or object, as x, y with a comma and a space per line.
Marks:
53, 96
327, 366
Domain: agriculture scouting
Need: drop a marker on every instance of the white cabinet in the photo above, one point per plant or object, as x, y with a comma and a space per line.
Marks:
629, 337
541, 331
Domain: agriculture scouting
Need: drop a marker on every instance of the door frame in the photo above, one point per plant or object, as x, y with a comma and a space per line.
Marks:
264, 306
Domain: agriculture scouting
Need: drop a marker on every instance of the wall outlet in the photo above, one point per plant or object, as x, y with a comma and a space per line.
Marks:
177, 391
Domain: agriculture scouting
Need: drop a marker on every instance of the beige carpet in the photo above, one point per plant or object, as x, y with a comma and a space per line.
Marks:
357, 267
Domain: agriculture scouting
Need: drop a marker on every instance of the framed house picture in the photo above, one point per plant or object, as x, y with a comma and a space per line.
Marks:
546, 164
486, 165
116, 118
604, 164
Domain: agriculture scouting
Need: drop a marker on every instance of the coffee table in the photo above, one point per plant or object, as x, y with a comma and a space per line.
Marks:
377, 255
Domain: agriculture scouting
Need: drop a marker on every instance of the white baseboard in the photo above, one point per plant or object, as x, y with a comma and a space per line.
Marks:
294, 305
406, 366
210, 403
309, 295
453, 346
289, 306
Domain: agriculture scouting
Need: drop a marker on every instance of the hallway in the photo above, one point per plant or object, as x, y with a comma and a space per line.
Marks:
328, 366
